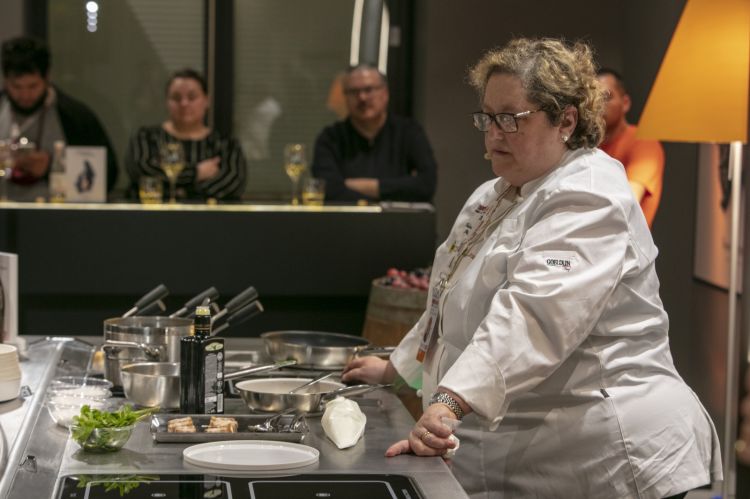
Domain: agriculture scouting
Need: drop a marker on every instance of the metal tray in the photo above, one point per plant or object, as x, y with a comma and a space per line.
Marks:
285, 433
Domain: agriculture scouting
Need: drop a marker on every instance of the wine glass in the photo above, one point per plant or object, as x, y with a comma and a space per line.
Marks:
6, 168
295, 164
172, 158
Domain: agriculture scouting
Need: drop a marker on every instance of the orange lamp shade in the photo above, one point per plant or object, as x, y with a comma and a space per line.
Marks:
701, 91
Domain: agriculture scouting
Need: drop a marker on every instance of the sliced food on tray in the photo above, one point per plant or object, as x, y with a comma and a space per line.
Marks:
215, 425
222, 425
181, 425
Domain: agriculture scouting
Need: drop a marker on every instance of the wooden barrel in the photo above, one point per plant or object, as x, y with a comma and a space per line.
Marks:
391, 313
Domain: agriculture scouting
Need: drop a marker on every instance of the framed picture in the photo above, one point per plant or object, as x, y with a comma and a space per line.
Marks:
713, 217
86, 174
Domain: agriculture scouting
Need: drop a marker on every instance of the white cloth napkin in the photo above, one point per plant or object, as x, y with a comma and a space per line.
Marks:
343, 422
453, 423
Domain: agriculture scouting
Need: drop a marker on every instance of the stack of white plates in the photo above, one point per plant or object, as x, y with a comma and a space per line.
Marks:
10, 373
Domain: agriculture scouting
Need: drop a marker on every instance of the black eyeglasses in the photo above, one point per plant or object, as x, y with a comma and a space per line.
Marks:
507, 122
354, 92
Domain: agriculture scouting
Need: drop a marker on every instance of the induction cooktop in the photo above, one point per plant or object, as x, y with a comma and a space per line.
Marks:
193, 486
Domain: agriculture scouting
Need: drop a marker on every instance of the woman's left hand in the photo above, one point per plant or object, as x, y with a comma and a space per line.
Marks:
207, 169
429, 437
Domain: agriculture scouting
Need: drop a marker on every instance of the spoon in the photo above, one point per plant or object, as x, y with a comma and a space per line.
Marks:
312, 382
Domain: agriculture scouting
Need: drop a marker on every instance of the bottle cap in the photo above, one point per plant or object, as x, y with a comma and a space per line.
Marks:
202, 310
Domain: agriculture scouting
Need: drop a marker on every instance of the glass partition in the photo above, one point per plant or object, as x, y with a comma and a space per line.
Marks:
116, 57
287, 56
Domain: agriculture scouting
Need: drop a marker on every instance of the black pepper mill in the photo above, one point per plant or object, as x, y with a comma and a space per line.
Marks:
202, 368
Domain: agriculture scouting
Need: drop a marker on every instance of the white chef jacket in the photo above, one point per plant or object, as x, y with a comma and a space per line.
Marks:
555, 335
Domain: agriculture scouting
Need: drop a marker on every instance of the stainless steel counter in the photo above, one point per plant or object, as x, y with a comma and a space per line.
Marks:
387, 421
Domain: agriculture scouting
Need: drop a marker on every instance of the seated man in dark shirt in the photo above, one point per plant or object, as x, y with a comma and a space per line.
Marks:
372, 154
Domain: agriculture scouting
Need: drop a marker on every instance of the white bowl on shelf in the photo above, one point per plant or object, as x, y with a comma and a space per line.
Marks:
79, 386
9, 389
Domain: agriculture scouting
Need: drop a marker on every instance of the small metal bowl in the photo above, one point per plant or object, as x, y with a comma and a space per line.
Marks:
152, 384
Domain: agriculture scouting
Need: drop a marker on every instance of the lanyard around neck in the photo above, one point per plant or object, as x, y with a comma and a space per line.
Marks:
480, 232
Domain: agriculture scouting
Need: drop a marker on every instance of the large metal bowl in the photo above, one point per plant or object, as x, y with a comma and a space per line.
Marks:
152, 384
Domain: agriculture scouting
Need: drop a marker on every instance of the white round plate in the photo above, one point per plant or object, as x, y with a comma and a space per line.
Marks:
251, 455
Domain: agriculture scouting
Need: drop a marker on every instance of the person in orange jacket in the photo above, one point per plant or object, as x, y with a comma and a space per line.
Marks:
643, 159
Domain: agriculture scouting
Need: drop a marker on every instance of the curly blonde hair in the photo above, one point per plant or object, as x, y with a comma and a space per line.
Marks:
554, 76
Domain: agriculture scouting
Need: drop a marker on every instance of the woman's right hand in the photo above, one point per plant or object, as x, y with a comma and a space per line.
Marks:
208, 168
370, 370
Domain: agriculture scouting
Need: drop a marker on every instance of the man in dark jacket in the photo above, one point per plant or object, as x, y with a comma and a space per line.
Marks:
31, 107
372, 154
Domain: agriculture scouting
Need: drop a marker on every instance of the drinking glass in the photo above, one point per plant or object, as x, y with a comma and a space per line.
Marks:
172, 158
313, 191
150, 190
295, 164
6, 168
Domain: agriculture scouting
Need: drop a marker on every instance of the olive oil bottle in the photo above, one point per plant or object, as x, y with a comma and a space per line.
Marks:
201, 368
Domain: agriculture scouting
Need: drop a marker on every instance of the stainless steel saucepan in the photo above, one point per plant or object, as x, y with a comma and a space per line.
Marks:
272, 394
128, 340
148, 338
317, 349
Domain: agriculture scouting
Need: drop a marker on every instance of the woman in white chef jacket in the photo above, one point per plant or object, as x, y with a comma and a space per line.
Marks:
550, 339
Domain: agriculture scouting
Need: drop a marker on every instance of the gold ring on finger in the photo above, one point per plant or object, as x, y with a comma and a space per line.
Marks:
427, 432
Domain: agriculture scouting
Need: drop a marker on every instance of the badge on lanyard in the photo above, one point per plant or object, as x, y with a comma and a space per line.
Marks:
429, 337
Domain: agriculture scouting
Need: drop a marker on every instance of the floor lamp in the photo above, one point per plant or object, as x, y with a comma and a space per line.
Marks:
701, 95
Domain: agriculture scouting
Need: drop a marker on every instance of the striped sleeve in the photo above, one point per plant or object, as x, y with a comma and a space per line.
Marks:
229, 183
141, 158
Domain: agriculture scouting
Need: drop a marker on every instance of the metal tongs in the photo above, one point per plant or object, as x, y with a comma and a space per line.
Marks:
237, 310
150, 302
272, 423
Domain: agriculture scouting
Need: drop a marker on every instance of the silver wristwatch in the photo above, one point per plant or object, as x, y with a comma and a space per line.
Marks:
444, 398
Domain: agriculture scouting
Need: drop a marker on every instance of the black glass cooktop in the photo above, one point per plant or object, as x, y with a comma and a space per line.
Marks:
340, 486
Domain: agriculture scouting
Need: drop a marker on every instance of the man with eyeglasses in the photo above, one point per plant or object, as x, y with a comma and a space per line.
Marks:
372, 154
643, 159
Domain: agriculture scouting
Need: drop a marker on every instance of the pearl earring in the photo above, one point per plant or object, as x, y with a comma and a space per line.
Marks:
487, 156
565, 138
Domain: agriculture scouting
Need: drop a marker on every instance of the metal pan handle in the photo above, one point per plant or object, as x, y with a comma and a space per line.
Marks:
259, 369
352, 390
373, 350
149, 350
156, 294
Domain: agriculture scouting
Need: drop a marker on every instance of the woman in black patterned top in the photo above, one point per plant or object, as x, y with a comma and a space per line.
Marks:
214, 163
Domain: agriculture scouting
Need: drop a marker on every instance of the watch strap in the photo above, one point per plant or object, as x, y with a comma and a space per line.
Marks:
444, 398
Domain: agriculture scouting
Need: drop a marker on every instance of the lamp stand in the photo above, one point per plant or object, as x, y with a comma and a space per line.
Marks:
729, 485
